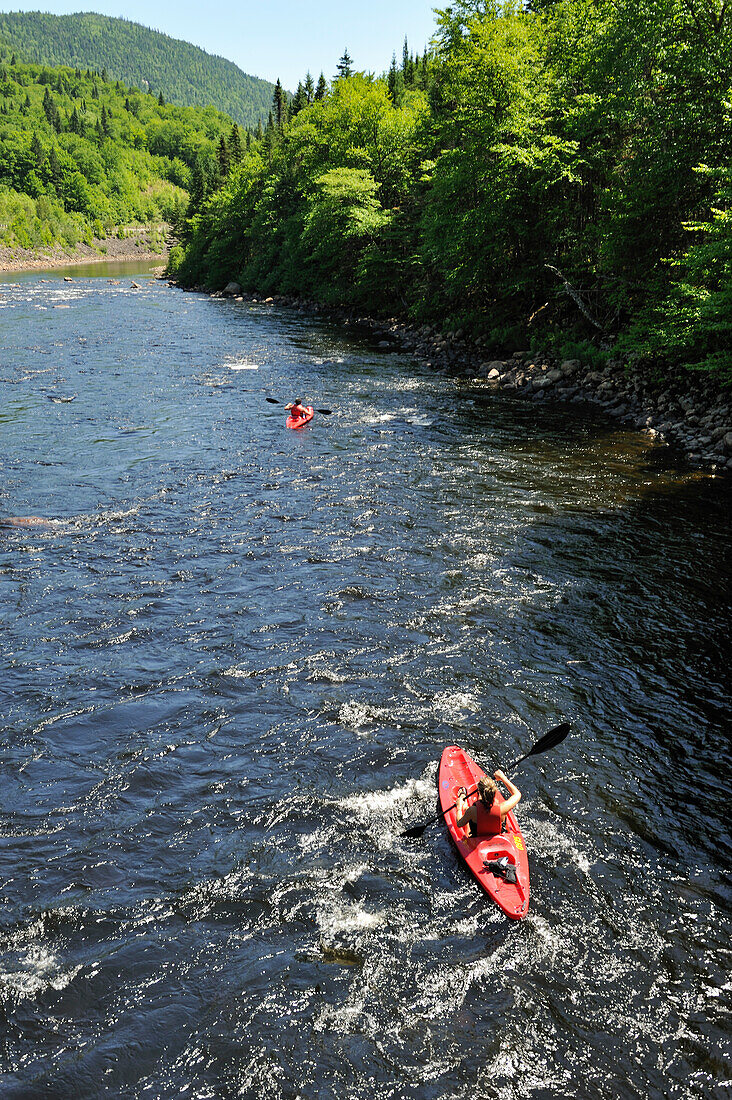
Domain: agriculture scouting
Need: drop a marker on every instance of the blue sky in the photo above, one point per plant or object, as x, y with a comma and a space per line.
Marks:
277, 38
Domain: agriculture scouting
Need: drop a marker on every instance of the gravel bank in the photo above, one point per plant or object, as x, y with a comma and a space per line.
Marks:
137, 246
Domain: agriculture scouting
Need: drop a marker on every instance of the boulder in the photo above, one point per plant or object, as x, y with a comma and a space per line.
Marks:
487, 369
493, 373
232, 289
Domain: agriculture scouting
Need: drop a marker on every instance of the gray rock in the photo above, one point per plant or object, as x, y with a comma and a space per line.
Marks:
231, 289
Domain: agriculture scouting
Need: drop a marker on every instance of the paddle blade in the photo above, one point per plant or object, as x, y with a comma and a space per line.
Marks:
325, 412
551, 739
271, 400
416, 831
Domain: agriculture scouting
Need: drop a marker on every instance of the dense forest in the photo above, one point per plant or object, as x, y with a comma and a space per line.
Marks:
561, 176
82, 157
140, 57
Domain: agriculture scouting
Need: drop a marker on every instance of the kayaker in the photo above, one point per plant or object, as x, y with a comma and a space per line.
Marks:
297, 409
486, 815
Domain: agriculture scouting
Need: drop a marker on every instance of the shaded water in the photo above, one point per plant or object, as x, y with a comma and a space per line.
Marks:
230, 663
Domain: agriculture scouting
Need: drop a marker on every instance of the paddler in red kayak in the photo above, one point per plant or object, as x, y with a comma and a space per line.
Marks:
486, 815
297, 410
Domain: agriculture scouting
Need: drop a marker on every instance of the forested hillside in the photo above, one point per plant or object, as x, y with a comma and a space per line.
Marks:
140, 57
560, 176
83, 157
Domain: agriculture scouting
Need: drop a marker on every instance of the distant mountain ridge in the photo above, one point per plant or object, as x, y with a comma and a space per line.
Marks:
141, 57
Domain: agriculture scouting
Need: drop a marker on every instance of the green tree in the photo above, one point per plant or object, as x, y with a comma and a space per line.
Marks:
309, 88
236, 151
37, 152
344, 68
299, 101
279, 104
222, 156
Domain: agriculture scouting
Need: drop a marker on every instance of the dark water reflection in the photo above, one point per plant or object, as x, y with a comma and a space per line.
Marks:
231, 659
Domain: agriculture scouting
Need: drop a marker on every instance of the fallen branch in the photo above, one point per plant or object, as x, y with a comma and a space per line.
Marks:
575, 296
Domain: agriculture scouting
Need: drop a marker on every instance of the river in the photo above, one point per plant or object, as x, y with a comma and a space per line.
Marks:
231, 658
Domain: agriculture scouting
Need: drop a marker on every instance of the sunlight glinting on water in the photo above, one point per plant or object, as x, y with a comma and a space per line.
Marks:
232, 657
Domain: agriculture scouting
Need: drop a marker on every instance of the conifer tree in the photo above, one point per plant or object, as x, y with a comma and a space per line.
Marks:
54, 166
299, 100
345, 66
279, 102
395, 83
161, 100
37, 150
322, 89
309, 88
235, 147
222, 157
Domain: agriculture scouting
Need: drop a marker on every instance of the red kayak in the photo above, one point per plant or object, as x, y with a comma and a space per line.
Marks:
493, 860
298, 421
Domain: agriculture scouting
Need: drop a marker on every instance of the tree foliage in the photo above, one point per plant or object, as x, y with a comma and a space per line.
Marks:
177, 71
80, 156
560, 172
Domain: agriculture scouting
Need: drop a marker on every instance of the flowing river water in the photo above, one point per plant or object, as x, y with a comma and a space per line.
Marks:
230, 663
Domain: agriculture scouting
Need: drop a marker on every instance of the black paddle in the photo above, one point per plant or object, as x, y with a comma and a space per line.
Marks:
550, 740
272, 401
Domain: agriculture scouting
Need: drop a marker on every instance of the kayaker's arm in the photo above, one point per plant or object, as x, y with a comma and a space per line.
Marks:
515, 798
463, 812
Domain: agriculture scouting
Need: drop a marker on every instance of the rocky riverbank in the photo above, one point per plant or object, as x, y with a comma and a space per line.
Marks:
688, 411
140, 243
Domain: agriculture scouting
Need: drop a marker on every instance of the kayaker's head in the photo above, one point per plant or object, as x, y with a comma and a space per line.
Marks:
487, 789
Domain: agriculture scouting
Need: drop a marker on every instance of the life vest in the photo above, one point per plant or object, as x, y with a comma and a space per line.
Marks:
488, 822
